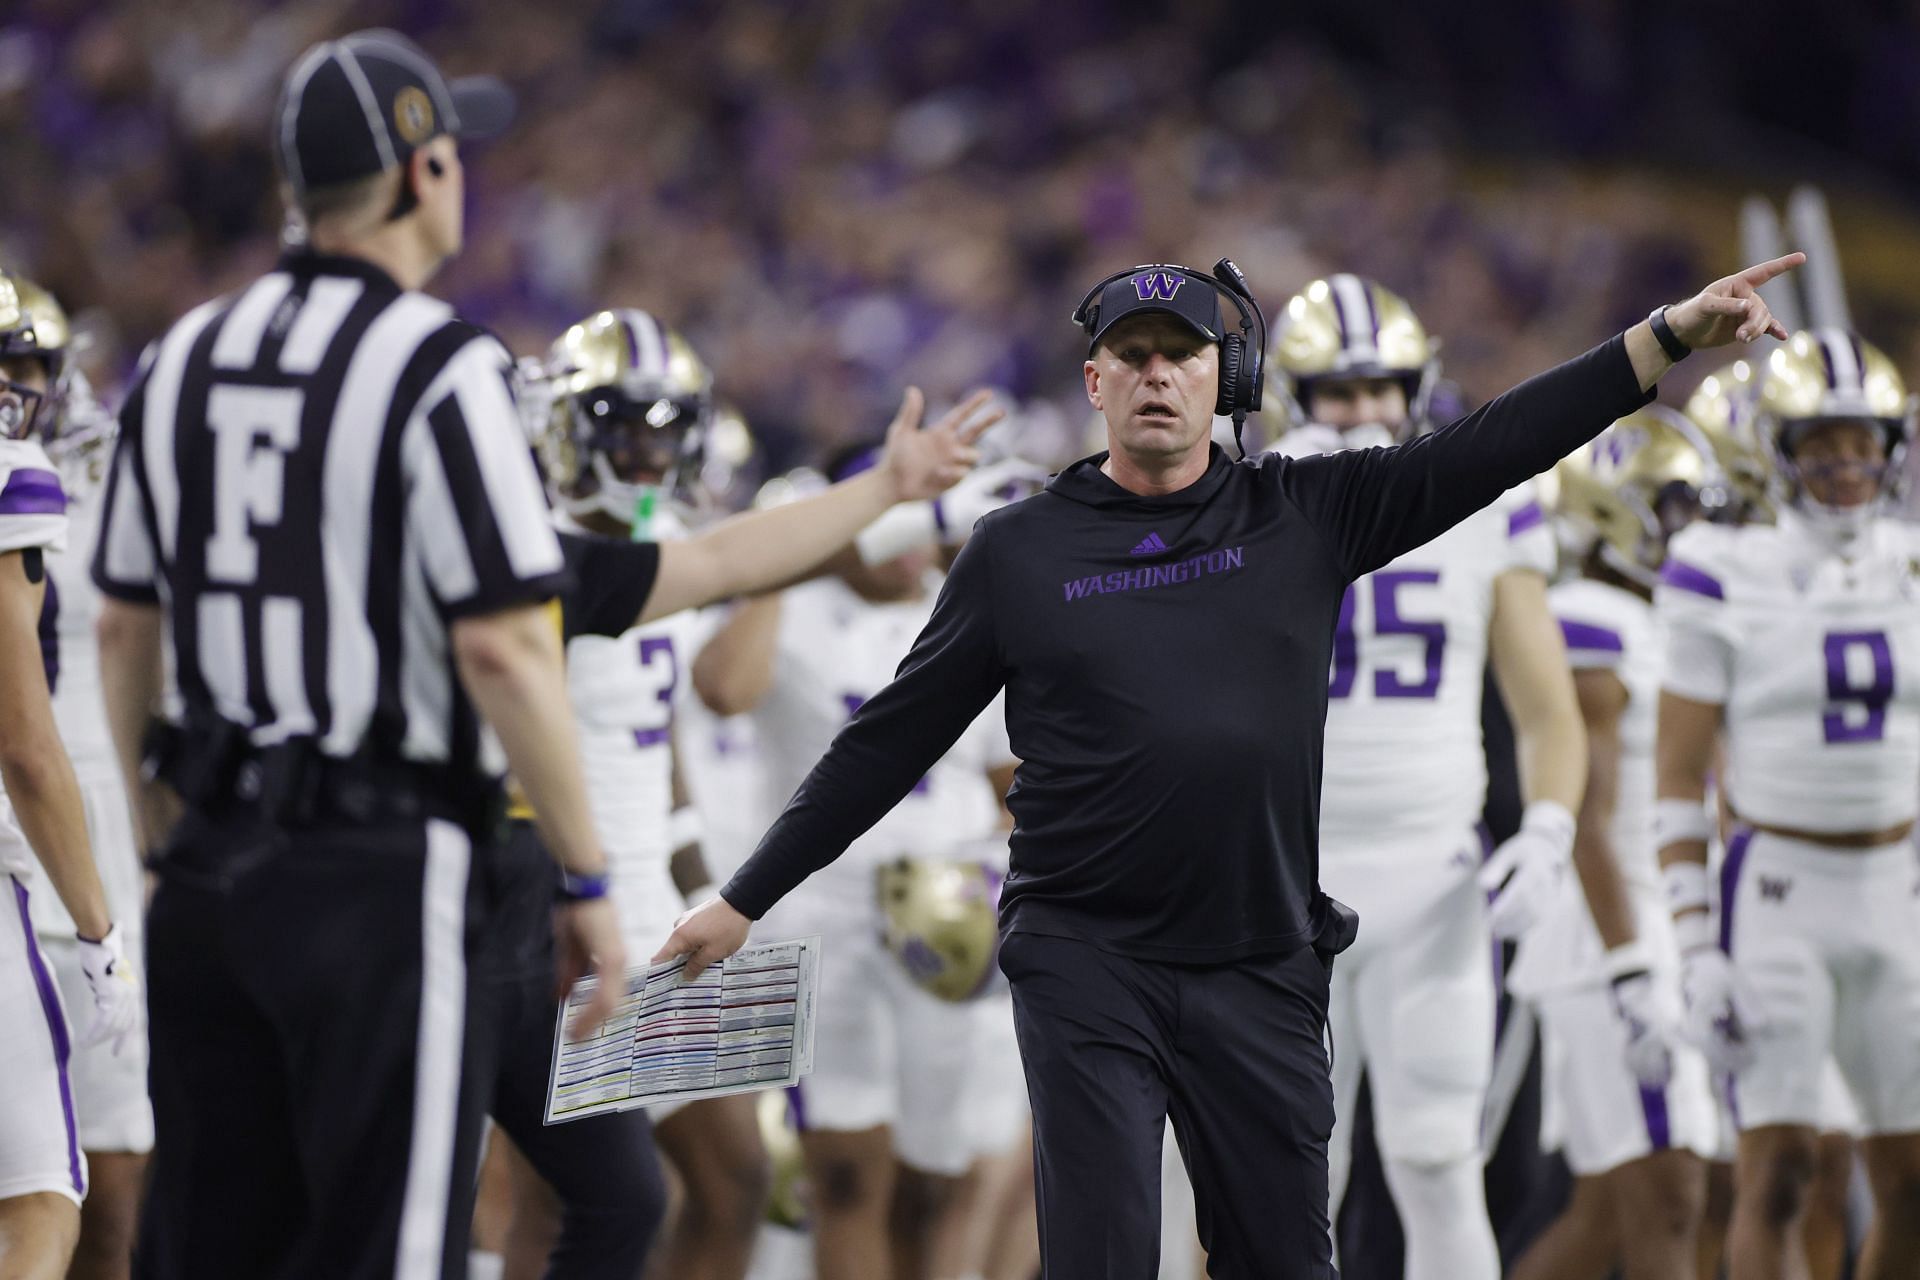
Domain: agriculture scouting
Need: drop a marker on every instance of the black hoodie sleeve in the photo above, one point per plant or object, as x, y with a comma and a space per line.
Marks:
1376, 504
945, 681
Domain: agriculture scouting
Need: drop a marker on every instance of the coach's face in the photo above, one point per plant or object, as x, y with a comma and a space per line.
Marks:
1155, 381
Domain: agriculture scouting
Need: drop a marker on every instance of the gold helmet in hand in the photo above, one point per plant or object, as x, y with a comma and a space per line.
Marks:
942, 923
1344, 328
628, 407
1633, 487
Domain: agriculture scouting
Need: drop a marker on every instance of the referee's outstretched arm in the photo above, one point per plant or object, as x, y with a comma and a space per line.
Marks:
764, 550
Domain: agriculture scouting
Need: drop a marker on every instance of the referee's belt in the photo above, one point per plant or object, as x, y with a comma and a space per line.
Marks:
216, 769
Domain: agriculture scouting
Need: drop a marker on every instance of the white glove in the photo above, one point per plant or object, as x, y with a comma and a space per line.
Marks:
1646, 1014
1525, 872
1717, 1011
118, 1009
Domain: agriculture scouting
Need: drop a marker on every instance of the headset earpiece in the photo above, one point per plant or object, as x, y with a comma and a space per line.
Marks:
1232, 356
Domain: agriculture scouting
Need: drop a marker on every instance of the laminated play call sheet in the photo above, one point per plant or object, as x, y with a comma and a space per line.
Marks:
744, 1024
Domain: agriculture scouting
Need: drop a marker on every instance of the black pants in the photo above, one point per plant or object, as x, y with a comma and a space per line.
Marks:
604, 1168
320, 1064
1234, 1053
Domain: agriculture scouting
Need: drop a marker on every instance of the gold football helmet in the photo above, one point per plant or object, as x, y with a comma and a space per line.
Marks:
1347, 326
629, 404
942, 923
1634, 486
32, 324
780, 1135
731, 463
1722, 407
1821, 375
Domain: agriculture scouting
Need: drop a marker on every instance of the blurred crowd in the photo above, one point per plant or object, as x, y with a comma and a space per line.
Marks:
836, 198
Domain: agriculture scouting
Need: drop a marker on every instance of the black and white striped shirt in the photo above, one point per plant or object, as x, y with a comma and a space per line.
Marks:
315, 477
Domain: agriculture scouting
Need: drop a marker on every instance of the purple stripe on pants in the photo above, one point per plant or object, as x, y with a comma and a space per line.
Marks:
1653, 1103
1730, 883
57, 1025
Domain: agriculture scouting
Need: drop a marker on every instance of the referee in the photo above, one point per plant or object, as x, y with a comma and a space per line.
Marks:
1167, 944
322, 496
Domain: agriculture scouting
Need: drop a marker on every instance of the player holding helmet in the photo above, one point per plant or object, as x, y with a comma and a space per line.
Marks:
1801, 640
1602, 967
1413, 1001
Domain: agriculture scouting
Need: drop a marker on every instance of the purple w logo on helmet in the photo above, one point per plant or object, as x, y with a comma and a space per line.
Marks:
1158, 286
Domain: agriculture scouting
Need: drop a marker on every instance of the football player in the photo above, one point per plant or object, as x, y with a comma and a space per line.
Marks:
628, 406
109, 1084
1405, 780
44, 823
1603, 969
1800, 640
883, 1121
1723, 408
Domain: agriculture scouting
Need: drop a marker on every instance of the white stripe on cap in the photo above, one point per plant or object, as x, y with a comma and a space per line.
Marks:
350, 63
290, 113
1848, 377
1360, 345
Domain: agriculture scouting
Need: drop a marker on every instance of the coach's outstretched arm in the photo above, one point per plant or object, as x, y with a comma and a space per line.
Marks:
949, 676
1376, 504
762, 550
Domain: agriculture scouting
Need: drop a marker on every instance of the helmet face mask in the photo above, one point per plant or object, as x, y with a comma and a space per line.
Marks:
630, 404
1829, 388
1344, 329
1639, 482
32, 326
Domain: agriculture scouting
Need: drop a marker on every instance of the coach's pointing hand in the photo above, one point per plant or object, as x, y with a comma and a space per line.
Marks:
924, 464
1731, 309
709, 932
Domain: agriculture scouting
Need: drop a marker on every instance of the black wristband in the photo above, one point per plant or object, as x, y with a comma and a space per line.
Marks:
1664, 335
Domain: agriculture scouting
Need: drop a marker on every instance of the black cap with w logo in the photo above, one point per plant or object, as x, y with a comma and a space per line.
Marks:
360, 105
1158, 286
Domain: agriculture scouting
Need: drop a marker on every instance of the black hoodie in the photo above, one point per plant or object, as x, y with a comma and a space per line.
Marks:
1165, 660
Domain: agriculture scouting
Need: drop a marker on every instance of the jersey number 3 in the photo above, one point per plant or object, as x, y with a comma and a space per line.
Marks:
1859, 679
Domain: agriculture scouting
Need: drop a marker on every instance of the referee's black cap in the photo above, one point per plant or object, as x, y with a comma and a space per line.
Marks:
360, 105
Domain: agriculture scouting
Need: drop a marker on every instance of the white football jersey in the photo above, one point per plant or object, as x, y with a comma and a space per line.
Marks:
33, 508
74, 609
1405, 763
835, 651
1607, 628
1815, 658
720, 763
625, 691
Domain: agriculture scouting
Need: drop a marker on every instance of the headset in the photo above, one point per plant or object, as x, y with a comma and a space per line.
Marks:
1242, 355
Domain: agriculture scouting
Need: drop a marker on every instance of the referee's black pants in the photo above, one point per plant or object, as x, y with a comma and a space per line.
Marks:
604, 1169
1233, 1052
320, 1061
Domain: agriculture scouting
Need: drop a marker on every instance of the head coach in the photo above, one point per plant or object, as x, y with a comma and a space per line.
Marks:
1164, 935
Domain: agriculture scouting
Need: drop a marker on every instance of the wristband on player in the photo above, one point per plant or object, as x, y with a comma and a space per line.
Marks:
684, 827
578, 886
1628, 960
1686, 884
904, 527
1678, 821
1694, 932
1664, 335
